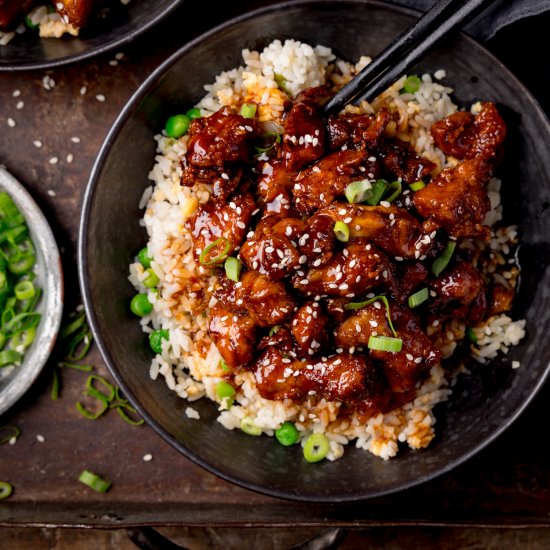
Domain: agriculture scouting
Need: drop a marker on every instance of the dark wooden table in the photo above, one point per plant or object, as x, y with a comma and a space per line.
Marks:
508, 484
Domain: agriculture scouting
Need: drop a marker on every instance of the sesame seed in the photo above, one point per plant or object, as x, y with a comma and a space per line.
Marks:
51, 192
148, 457
70, 158
409, 357
100, 97
37, 143
113, 62
11, 122
269, 249
241, 225
418, 360
119, 56
385, 203
40, 438
75, 139
16, 93
304, 282
53, 160
20, 105
83, 90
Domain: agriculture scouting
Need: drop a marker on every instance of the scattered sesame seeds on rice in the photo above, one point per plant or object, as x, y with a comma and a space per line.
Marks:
189, 361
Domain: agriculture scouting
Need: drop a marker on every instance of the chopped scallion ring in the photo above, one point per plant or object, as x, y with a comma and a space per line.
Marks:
395, 188
121, 409
280, 80
316, 447
94, 481
443, 261
56, 383
248, 110
412, 84
417, 185
90, 415
472, 336
341, 231
385, 343
92, 390
360, 305
249, 427
233, 268
224, 366
9, 357
204, 257
358, 191
24, 290
418, 298
378, 189
274, 330
225, 392
5, 489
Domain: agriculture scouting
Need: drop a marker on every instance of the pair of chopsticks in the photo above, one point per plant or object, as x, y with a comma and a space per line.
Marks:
406, 50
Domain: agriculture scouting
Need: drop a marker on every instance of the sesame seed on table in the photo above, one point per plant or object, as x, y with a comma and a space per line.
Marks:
52, 126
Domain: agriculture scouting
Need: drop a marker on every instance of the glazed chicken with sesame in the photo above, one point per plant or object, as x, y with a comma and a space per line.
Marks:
335, 243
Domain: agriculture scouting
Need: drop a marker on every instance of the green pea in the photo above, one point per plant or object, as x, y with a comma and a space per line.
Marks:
144, 257
152, 279
156, 337
249, 427
316, 447
140, 305
194, 113
177, 125
226, 391
287, 434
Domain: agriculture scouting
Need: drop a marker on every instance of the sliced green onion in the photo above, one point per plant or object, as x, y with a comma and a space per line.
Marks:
225, 391
5, 489
94, 481
56, 383
341, 231
79, 346
152, 279
287, 434
224, 366
73, 326
412, 84
204, 255
442, 261
121, 409
194, 113
233, 268
274, 330
385, 343
6, 436
93, 391
280, 80
417, 185
9, 357
472, 336
249, 427
316, 447
418, 298
20, 322
358, 191
177, 126
76, 366
9, 212
22, 263
91, 415
248, 110
140, 305
260, 150
378, 189
29, 24
155, 339
395, 187
24, 338
24, 290
361, 305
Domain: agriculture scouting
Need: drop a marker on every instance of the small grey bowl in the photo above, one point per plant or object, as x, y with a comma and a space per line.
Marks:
15, 381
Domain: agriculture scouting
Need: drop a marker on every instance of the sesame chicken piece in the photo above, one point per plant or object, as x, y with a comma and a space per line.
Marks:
309, 329
390, 228
354, 270
229, 221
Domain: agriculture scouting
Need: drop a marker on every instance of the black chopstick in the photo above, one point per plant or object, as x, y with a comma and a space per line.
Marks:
395, 60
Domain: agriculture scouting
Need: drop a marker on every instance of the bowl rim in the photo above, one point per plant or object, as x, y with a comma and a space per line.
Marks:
37, 355
95, 173
116, 42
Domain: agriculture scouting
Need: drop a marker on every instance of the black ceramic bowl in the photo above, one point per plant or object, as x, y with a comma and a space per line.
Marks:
120, 25
482, 406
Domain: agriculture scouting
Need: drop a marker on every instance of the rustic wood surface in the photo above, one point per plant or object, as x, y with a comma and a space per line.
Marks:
506, 485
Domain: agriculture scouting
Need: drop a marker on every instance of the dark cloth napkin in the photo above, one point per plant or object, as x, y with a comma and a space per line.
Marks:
500, 14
